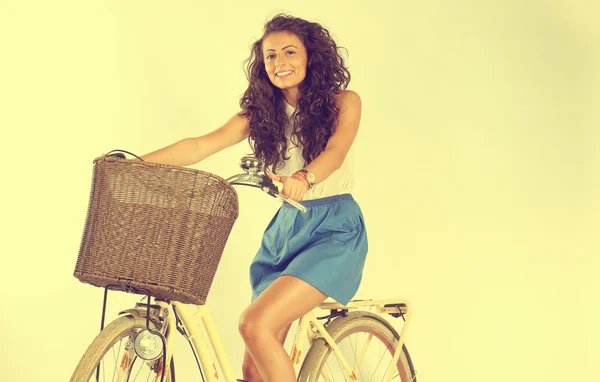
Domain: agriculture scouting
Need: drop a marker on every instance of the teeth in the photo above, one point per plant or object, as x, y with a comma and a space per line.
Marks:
281, 74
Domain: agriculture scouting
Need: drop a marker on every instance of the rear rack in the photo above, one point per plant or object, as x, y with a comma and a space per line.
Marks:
395, 308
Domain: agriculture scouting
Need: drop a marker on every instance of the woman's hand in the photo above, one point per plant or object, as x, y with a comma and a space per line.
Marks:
294, 187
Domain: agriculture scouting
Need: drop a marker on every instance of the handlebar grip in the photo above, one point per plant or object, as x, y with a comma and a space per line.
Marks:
121, 154
118, 155
265, 183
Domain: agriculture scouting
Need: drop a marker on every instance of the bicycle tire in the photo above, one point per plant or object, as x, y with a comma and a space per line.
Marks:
115, 331
341, 328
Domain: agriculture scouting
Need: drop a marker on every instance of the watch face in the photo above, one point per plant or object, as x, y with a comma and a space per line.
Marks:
310, 176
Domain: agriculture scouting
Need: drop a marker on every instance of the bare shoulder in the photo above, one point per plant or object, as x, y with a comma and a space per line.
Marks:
347, 99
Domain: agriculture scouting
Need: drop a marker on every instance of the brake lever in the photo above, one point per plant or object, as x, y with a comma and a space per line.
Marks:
268, 183
254, 167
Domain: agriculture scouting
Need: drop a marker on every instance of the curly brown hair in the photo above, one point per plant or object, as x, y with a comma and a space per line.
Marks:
316, 114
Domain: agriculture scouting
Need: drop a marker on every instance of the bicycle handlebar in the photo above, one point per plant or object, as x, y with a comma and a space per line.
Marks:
291, 201
253, 176
262, 181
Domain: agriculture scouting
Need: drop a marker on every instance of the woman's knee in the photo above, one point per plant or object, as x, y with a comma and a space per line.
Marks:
254, 325
249, 324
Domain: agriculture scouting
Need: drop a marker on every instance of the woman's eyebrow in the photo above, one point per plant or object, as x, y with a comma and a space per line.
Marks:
285, 47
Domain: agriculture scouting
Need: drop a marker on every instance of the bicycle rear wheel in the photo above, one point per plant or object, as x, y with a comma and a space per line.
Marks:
112, 350
367, 342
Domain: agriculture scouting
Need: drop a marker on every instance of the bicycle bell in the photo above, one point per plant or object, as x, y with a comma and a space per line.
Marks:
147, 345
251, 164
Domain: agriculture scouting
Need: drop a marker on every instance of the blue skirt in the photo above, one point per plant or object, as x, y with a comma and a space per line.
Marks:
325, 246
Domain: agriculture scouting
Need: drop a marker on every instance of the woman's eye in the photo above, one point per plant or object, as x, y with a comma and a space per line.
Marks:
290, 52
269, 57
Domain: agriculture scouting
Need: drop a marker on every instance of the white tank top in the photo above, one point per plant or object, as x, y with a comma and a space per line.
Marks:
341, 181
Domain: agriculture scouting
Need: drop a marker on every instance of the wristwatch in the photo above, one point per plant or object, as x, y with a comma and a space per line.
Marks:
309, 176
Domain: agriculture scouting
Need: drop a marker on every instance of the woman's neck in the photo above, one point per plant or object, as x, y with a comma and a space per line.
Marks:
291, 96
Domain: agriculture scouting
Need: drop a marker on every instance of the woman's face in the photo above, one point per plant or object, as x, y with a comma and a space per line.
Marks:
285, 59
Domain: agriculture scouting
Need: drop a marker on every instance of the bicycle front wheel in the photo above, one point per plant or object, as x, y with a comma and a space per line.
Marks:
111, 357
367, 342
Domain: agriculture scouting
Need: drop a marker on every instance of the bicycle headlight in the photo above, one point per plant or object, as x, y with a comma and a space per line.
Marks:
148, 345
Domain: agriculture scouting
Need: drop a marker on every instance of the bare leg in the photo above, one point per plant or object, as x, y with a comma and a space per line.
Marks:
249, 370
285, 300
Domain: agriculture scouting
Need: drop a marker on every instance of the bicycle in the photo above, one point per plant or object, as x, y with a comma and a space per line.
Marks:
139, 343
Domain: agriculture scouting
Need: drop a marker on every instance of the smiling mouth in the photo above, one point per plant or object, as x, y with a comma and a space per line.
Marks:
284, 74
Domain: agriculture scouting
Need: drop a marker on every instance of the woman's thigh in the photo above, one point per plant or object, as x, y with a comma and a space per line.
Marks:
287, 299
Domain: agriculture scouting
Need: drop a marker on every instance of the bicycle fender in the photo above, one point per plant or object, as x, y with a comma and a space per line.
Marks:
141, 313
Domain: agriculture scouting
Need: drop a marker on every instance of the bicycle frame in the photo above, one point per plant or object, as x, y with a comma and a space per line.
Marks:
308, 325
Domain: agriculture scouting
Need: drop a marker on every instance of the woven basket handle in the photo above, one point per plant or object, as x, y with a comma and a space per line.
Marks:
119, 154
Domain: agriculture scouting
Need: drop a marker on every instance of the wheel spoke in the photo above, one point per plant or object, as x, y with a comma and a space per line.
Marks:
140, 369
325, 376
113, 353
356, 367
340, 366
364, 351
378, 364
116, 360
367, 344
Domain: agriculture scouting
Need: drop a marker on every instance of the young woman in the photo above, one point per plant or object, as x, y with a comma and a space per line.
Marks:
301, 122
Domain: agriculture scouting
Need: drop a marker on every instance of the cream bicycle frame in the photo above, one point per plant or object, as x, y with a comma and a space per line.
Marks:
308, 325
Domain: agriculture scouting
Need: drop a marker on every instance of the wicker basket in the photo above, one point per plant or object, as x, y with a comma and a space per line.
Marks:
155, 227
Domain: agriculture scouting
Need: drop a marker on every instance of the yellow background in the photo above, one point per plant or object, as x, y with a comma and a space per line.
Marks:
477, 168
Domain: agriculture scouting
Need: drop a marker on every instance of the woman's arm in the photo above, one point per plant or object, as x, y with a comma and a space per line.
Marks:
335, 152
341, 141
190, 151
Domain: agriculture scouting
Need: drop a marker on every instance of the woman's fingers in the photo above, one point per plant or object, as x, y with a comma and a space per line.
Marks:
275, 177
288, 188
285, 181
292, 188
297, 189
